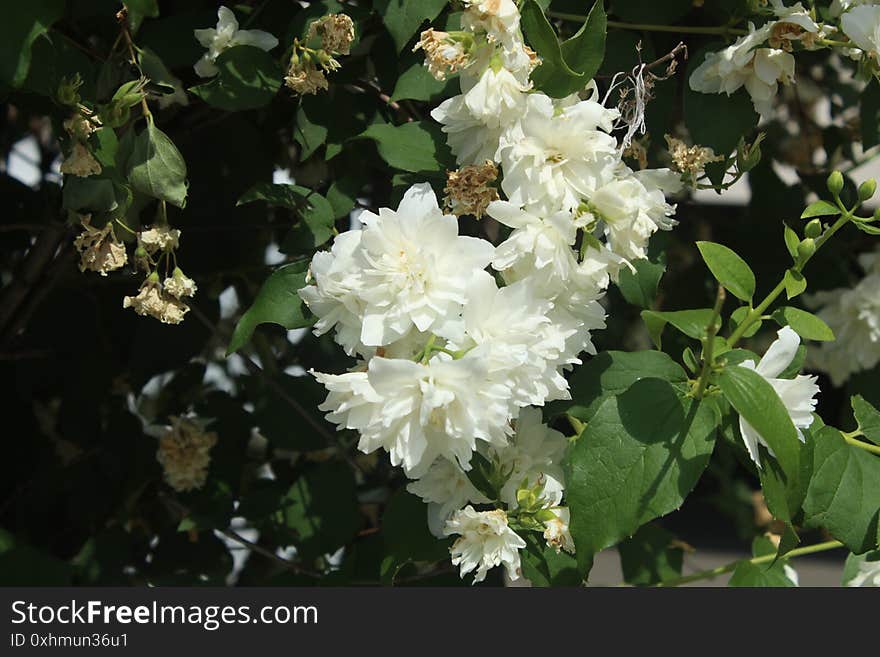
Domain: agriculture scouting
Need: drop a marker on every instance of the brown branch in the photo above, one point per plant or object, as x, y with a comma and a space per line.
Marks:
30, 273
680, 49
58, 266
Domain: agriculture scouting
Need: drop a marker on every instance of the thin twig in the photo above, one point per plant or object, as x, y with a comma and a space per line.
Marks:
183, 512
330, 438
31, 272
680, 49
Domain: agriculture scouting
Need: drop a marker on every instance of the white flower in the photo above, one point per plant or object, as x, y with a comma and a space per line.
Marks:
418, 412
631, 213
485, 116
406, 270
485, 541
745, 64
769, 67
499, 19
445, 488
521, 344
497, 98
334, 297
868, 573
854, 316
416, 268
471, 140
862, 25
798, 395
538, 243
226, 35
556, 531
562, 156
577, 311
534, 455
840, 6
796, 14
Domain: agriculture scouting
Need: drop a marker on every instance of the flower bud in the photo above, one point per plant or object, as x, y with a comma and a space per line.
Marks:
813, 229
806, 248
835, 183
867, 189
68, 90
877, 214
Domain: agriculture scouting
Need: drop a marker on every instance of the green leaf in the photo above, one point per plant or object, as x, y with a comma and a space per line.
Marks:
140, 9
321, 509
88, 194
767, 574
692, 323
342, 195
416, 83
248, 78
272, 410
637, 459
752, 575
544, 566
154, 68
820, 209
277, 303
565, 68
844, 492
701, 112
867, 228
417, 146
729, 269
311, 132
792, 241
403, 18
405, 530
611, 373
315, 228
640, 287
758, 403
156, 167
23, 565
651, 555
851, 568
795, 283
316, 214
868, 418
805, 324
23, 23
784, 492
293, 197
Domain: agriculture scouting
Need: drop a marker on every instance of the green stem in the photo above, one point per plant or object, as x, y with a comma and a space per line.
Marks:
832, 43
647, 27
758, 311
852, 440
709, 344
766, 558
576, 424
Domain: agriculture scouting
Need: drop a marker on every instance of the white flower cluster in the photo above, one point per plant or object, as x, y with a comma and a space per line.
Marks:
854, 316
451, 357
749, 63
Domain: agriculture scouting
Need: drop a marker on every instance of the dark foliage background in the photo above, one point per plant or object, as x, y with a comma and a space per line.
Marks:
82, 496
